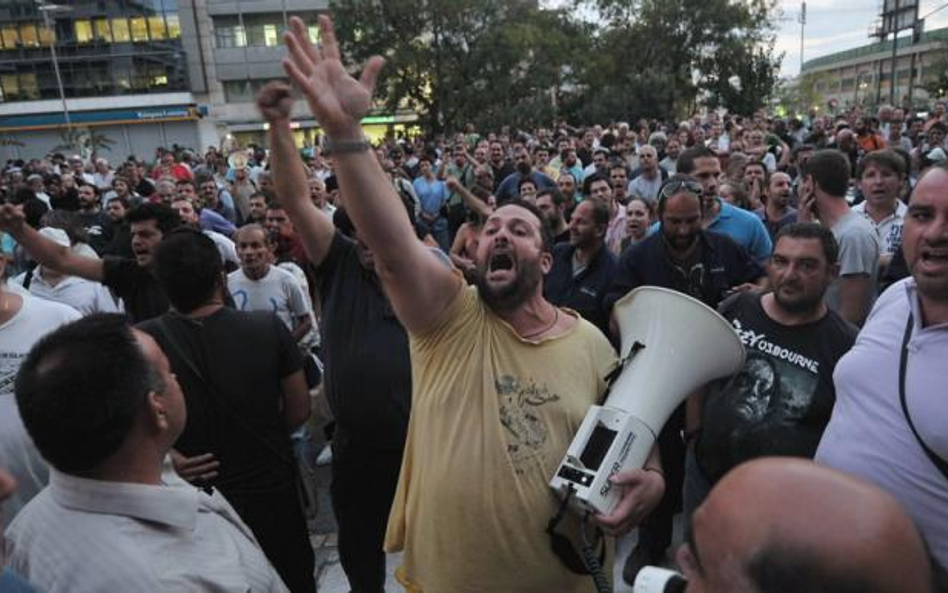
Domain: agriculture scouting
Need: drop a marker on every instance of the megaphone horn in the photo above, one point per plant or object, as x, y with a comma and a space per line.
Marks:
672, 344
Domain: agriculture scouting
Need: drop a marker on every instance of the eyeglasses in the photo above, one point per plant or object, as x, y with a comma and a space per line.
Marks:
674, 186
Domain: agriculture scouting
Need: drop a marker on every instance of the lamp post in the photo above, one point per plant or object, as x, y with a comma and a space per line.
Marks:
45, 8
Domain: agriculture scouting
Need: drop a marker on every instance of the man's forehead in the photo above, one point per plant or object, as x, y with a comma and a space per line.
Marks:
932, 189
514, 212
790, 247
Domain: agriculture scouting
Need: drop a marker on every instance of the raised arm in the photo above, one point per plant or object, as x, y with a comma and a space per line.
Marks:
46, 252
470, 200
418, 283
289, 176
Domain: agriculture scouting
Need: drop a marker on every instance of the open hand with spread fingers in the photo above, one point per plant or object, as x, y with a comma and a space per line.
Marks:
338, 101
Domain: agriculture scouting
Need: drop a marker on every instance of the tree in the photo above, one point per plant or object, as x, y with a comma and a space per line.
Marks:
457, 61
84, 140
656, 57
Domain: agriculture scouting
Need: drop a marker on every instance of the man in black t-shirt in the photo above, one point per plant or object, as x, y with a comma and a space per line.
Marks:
131, 279
781, 400
242, 378
98, 225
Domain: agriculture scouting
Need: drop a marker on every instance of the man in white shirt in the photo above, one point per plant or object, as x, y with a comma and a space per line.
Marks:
881, 176
104, 409
259, 286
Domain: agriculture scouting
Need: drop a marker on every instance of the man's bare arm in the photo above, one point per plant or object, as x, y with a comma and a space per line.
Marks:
295, 400
46, 252
470, 200
854, 298
418, 283
289, 176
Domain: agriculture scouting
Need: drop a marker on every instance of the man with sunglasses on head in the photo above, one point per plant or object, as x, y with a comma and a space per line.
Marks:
705, 265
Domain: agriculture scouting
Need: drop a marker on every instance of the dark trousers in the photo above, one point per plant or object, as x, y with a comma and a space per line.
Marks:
363, 486
278, 524
655, 532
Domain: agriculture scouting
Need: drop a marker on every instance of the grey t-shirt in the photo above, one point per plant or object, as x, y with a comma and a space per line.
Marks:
858, 253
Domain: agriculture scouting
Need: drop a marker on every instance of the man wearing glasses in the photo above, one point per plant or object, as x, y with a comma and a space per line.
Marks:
705, 265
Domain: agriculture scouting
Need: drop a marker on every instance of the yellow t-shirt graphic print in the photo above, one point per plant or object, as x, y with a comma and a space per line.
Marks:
492, 417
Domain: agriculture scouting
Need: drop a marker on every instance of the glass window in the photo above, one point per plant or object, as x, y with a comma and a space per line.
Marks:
271, 37
11, 86
28, 35
46, 36
29, 89
314, 34
10, 36
120, 32
139, 28
157, 27
102, 30
174, 26
84, 31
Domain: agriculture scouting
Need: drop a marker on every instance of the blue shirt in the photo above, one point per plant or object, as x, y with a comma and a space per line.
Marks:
583, 292
431, 194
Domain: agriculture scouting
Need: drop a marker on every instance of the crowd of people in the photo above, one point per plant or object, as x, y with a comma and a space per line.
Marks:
164, 329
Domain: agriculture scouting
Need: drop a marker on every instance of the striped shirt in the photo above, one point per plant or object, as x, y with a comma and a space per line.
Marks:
89, 535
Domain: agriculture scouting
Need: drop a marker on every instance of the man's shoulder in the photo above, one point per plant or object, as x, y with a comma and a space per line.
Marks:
53, 312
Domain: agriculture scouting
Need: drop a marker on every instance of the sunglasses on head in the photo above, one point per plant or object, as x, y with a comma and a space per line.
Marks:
671, 188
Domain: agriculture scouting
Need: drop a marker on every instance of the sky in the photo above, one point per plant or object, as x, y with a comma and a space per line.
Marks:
837, 25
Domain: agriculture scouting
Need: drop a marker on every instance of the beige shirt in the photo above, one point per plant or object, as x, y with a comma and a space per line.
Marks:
492, 416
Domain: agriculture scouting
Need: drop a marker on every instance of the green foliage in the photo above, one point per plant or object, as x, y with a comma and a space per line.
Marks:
494, 62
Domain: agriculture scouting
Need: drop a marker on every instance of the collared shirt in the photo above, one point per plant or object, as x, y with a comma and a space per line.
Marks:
582, 292
868, 435
889, 229
83, 295
745, 228
89, 535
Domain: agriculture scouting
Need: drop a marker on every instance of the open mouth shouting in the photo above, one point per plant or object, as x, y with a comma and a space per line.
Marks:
501, 265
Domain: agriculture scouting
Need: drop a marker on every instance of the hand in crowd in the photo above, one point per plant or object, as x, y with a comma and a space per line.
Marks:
337, 100
198, 470
642, 490
11, 217
275, 101
452, 183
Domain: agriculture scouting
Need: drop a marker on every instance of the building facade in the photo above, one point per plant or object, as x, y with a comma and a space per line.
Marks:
144, 74
863, 75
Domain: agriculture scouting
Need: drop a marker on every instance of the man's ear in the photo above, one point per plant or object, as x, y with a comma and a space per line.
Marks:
546, 262
156, 410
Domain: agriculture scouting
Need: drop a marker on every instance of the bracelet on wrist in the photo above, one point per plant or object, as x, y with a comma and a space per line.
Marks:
329, 147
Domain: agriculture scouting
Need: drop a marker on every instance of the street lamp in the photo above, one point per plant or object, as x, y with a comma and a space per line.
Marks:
46, 8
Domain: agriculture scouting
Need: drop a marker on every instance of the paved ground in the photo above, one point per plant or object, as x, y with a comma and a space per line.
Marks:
331, 579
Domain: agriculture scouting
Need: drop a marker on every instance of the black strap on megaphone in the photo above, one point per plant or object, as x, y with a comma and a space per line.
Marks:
563, 547
620, 366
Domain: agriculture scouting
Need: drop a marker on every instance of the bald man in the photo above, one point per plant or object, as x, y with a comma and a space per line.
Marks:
782, 524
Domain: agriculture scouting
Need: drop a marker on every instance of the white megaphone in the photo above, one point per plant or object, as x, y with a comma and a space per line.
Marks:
672, 344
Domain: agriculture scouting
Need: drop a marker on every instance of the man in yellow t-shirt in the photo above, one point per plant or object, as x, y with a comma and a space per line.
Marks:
502, 378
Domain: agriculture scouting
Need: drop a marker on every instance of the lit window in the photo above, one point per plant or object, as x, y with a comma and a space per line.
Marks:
28, 35
46, 36
84, 31
314, 34
102, 30
161, 80
120, 32
29, 86
11, 39
11, 86
174, 26
139, 29
270, 36
157, 27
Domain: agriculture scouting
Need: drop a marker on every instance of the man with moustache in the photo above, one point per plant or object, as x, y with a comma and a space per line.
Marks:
705, 265
781, 400
582, 268
891, 385
776, 212
502, 378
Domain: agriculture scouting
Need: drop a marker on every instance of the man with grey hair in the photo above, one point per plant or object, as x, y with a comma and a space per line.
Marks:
650, 176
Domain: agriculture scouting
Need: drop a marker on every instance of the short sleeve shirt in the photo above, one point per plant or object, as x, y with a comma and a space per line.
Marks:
137, 287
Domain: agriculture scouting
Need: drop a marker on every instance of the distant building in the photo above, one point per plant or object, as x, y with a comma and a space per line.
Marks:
863, 75
146, 73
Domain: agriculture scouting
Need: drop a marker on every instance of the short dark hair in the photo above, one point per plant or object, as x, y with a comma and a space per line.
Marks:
885, 159
190, 182
677, 178
600, 212
81, 389
166, 219
83, 183
812, 230
830, 170
686, 160
556, 196
120, 200
591, 179
188, 268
